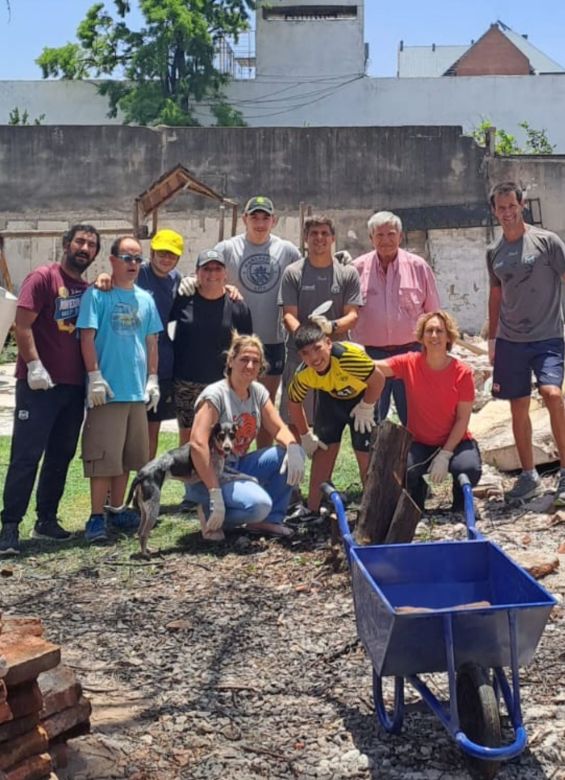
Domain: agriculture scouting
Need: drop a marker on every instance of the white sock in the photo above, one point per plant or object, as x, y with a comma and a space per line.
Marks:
531, 473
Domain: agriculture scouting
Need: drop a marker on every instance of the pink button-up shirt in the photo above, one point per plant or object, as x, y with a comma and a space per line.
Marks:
393, 301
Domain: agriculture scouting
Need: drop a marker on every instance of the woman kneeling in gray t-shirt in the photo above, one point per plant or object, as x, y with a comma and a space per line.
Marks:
260, 504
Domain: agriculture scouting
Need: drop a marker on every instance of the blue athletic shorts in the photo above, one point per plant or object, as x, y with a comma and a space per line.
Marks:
515, 361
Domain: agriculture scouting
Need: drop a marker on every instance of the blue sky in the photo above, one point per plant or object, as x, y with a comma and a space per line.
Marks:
34, 24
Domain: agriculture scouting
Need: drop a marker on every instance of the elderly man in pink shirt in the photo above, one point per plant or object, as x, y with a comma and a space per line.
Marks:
396, 287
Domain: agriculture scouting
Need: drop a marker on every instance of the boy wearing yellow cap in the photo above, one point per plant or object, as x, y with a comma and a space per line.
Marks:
161, 278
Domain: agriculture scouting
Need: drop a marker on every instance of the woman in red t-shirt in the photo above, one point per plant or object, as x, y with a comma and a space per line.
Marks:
440, 393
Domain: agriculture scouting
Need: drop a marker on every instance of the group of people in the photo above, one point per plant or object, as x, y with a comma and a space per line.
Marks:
144, 345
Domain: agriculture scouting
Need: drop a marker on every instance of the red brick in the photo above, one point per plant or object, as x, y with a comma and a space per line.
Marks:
22, 625
60, 689
25, 699
64, 721
29, 744
5, 712
27, 657
33, 768
16, 727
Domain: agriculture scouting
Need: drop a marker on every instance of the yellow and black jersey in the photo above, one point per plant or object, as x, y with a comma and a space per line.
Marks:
345, 377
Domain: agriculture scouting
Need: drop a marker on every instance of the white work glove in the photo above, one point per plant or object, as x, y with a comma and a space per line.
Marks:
217, 510
99, 391
187, 286
440, 466
310, 443
491, 350
363, 417
152, 393
38, 377
323, 323
293, 464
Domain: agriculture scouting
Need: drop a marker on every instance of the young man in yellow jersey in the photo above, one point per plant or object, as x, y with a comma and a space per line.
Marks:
348, 387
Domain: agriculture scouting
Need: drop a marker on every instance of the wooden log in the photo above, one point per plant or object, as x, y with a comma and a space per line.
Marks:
29, 744
60, 689
27, 657
14, 728
33, 768
25, 699
61, 722
385, 482
404, 521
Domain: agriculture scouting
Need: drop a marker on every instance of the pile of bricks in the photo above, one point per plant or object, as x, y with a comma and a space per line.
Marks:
41, 702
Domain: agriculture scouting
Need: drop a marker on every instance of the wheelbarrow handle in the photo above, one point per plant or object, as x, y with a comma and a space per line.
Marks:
334, 496
472, 532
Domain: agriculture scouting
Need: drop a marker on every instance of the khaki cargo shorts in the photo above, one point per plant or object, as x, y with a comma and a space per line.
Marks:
115, 439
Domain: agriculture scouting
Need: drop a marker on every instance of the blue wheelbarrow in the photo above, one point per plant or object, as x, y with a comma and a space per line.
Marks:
464, 608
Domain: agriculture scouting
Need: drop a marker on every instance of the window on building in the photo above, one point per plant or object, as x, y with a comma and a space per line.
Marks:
307, 13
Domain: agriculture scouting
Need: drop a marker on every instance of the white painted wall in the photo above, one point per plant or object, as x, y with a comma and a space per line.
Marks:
458, 260
390, 102
62, 102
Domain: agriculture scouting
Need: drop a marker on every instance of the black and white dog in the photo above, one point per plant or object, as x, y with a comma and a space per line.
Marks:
145, 490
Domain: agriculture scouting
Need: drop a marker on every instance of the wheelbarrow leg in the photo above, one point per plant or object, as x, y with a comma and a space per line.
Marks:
391, 723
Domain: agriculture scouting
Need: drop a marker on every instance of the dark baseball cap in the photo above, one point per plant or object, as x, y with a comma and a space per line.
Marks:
209, 256
259, 203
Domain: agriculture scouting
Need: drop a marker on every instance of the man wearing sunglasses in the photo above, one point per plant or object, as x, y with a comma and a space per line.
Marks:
118, 334
49, 389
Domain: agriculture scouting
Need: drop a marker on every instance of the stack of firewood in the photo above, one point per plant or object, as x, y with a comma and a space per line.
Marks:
41, 702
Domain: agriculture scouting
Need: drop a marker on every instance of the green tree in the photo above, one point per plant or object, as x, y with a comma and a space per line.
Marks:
506, 144
162, 71
16, 117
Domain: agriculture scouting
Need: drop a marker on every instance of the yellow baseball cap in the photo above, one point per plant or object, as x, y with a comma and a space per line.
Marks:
168, 241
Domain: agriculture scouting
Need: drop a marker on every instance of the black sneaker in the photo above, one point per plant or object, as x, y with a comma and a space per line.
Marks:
10, 540
50, 529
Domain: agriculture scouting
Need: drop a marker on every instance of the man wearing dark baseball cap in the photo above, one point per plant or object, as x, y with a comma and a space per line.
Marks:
259, 203
255, 261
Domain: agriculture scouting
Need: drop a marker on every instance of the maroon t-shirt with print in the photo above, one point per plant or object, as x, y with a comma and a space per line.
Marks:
55, 297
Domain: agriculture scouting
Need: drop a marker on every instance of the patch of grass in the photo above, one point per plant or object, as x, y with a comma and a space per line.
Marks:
10, 351
172, 529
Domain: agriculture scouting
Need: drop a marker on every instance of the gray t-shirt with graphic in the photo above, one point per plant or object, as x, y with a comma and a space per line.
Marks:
306, 287
529, 272
256, 270
245, 415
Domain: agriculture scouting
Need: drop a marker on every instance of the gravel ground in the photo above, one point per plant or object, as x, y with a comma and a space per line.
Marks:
243, 662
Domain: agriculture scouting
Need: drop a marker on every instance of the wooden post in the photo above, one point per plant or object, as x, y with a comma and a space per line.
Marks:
301, 212
234, 220
404, 521
222, 224
4, 271
385, 482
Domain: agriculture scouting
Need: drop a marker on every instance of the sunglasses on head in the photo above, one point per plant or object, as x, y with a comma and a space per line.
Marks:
131, 258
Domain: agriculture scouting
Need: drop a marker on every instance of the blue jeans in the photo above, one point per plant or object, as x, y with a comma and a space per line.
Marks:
394, 387
246, 501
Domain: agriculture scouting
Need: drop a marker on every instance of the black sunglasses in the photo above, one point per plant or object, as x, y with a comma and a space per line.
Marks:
131, 258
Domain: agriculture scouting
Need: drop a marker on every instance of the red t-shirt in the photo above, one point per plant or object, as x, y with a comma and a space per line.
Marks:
55, 297
432, 396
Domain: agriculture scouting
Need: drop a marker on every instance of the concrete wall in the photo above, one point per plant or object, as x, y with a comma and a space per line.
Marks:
51, 177
100, 170
307, 48
342, 101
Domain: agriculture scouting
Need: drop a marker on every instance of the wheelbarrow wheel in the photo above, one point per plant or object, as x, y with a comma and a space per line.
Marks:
479, 717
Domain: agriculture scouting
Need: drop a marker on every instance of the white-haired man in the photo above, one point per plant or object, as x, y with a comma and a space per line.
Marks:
396, 286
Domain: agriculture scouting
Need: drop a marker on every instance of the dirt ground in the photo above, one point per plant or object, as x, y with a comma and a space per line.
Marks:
242, 661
